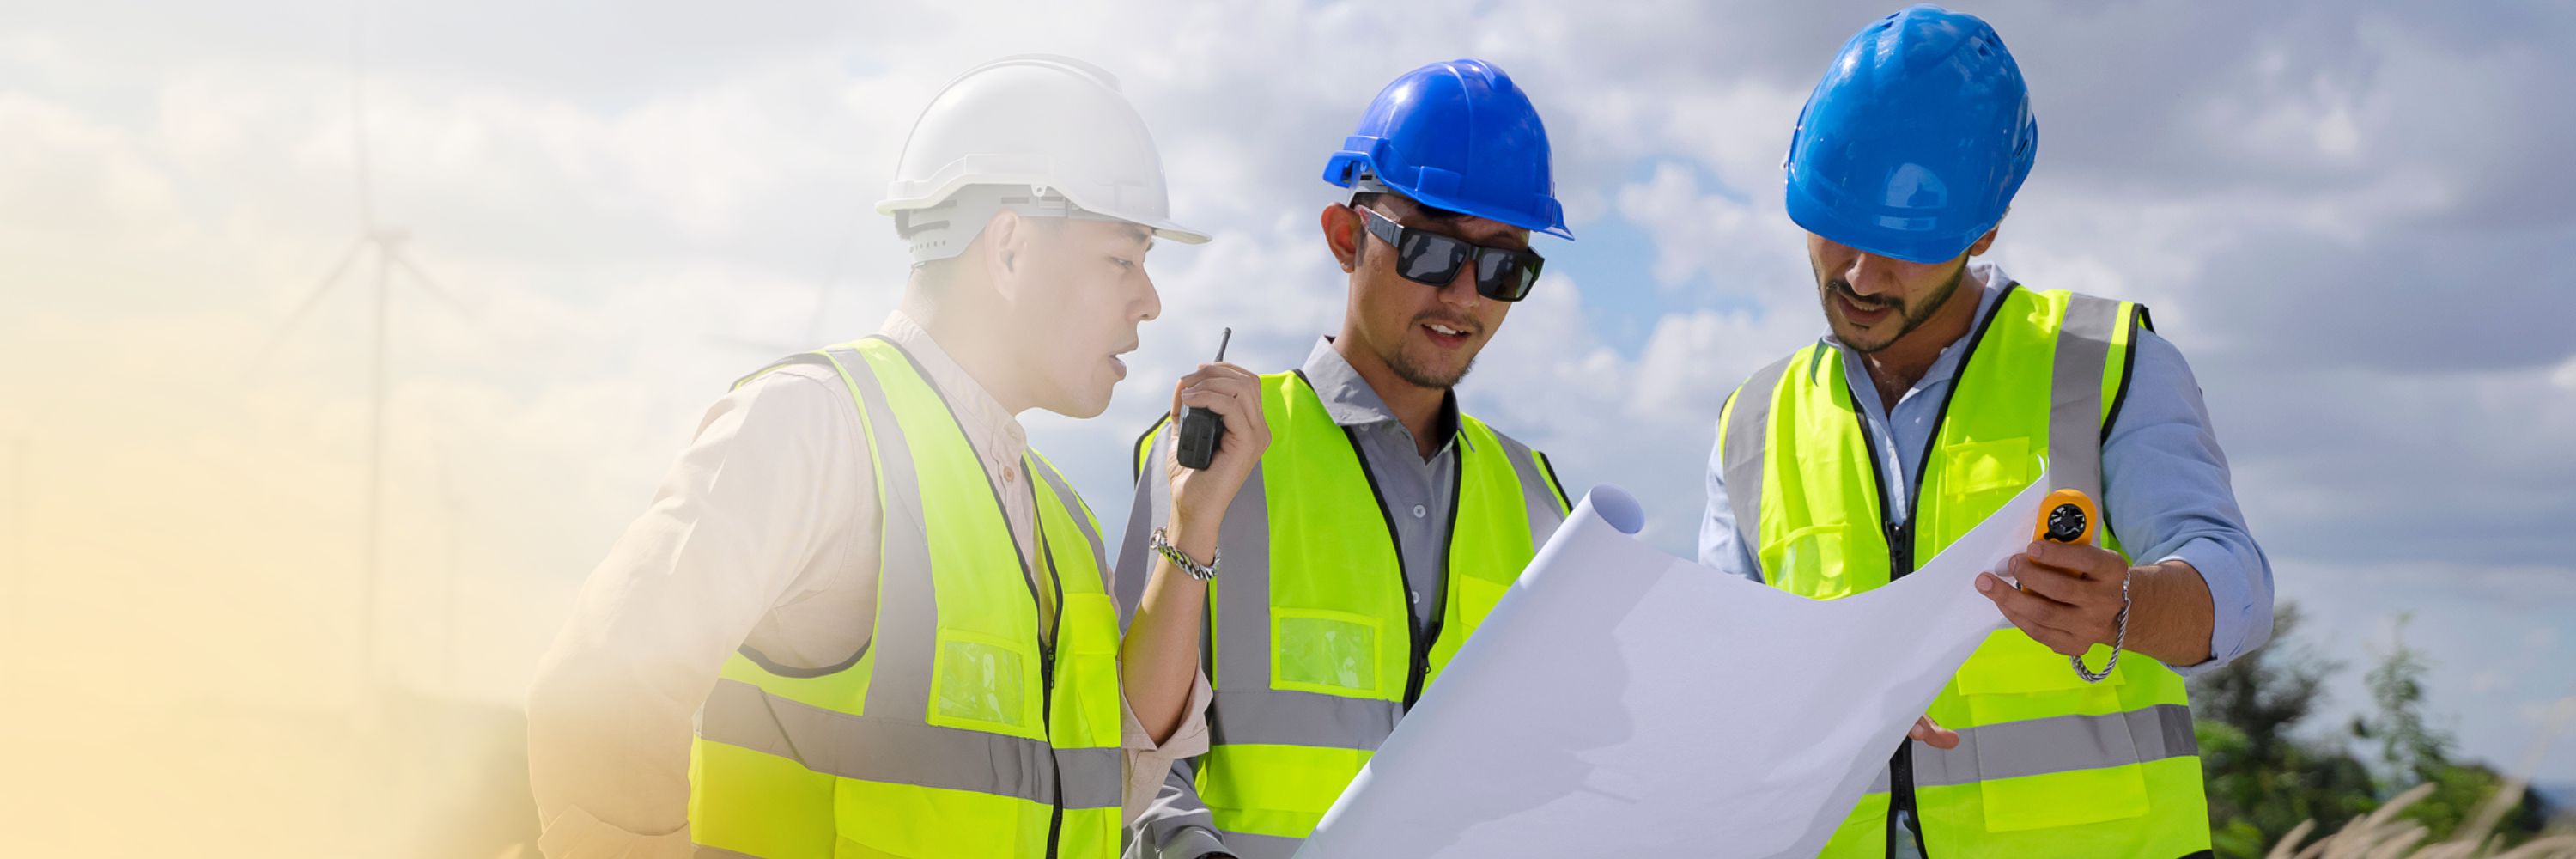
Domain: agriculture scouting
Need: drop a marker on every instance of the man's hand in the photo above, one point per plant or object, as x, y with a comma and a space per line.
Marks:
1200, 496
1931, 733
2069, 597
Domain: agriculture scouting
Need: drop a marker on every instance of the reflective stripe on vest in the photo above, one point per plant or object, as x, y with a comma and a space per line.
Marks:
2047, 764
1316, 654
956, 731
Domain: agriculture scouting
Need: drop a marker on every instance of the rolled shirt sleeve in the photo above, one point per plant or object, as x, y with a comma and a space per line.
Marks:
2167, 494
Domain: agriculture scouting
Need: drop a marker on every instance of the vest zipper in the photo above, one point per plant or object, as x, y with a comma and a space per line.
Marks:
1046, 672
1900, 561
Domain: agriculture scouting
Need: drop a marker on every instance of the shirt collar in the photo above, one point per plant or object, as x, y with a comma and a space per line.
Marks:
979, 414
1351, 402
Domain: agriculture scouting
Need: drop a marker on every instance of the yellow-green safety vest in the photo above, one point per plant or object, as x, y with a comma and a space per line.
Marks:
1316, 655
956, 732
2047, 765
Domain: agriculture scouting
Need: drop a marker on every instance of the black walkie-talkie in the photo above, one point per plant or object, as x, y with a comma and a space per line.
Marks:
1201, 429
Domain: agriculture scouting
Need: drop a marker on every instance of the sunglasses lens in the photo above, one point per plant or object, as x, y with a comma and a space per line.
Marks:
1506, 276
1430, 259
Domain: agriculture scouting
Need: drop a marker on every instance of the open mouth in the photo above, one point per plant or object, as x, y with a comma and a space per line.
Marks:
1446, 335
1863, 314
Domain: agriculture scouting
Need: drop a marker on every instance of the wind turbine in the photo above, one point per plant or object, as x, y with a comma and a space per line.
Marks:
387, 246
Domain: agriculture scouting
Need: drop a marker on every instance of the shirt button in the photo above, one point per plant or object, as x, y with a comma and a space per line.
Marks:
1010, 474
1418, 511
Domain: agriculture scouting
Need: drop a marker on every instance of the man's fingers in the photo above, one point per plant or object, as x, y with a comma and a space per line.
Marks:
1222, 369
1931, 733
2036, 590
1227, 407
1245, 393
2075, 559
2046, 622
2055, 584
1206, 372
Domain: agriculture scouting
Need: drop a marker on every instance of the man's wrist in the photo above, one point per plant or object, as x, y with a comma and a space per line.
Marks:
2164, 598
1193, 538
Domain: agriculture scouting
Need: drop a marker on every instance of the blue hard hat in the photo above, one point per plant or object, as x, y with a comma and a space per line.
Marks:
1458, 136
1914, 143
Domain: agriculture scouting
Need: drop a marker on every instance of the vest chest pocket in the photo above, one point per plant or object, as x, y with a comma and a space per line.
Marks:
1332, 652
1977, 478
982, 682
1476, 599
2051, 749
1809, 562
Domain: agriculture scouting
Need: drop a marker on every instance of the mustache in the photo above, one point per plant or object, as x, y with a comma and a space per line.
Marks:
1843, 288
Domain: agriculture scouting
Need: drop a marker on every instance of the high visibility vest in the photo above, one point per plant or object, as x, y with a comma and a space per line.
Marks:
1316, 655
956, 732
2047, 764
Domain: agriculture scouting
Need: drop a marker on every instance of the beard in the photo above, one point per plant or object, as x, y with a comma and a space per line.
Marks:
1912, 314
1418, 375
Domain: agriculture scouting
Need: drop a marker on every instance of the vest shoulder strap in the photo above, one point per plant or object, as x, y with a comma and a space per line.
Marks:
1145, 444
1743, 430
2077, 413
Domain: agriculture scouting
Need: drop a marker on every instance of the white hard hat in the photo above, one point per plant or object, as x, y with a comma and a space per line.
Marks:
1038, 134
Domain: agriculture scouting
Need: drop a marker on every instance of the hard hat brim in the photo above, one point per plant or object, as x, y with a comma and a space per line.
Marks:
1924, 247
1175, 232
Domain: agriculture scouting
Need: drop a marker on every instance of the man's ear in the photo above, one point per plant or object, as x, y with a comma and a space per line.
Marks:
1342, 234
1985, 241
1005, 240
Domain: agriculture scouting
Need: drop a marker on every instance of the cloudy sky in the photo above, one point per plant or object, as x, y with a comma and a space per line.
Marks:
2351, 216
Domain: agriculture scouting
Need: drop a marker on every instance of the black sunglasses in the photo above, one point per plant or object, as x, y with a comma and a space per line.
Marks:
1425, 257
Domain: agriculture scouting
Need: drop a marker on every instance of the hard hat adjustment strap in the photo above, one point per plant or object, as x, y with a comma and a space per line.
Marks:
905, 227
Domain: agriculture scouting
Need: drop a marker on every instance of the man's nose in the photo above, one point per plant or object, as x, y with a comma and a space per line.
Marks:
1461, 292
1871, 275
1153, 304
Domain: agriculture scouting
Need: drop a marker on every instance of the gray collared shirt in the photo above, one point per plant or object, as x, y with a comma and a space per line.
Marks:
1417, 491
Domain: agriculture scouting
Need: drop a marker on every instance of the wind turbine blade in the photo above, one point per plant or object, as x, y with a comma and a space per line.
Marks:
306, 308
430, 285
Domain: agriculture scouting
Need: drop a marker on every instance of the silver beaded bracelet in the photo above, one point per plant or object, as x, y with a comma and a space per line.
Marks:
1162, 545
2119, 637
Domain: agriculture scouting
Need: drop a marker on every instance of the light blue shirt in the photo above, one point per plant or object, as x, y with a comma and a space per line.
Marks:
2164, 480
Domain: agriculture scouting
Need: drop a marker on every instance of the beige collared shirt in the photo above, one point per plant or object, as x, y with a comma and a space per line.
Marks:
764, 533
